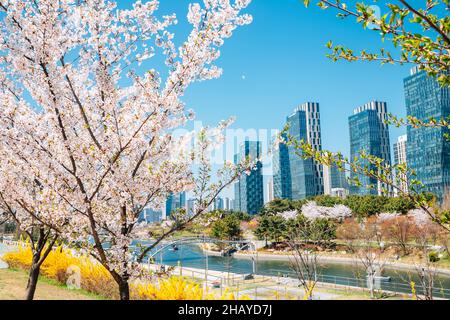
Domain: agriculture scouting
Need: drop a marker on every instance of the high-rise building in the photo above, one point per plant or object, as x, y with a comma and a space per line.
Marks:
305, 174
314, 135
295, 177
174, 202
228, 205
249, 190
427, 151
150, 215
270, 196
400, 158
369, 132
335, 180
217, 204
282, 184
191, 207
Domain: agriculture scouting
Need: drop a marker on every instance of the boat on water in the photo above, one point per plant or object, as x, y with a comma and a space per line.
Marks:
383, 278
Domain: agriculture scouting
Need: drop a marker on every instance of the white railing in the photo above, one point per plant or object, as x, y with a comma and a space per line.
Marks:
11, 243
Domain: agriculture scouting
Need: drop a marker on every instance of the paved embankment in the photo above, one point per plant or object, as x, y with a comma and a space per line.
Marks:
324, 259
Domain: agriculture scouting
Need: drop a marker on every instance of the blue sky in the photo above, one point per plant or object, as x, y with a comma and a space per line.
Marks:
279, 61
282, 57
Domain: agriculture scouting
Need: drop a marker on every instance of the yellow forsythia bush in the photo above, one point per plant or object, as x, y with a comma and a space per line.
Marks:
94, 278
176, 288
60, 264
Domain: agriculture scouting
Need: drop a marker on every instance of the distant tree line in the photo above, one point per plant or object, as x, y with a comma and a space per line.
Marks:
361, 206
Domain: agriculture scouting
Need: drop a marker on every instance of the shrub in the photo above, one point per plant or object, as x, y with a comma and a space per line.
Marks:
96, 279
175, 288
433, 256
93, 276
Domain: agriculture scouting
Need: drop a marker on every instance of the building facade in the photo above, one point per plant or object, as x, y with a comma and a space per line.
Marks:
400, 158
369, 132
335, 181
294, 177
191, 207
428, 152
314, 136
249, 190
228, 204
282, 184
305, 174
149, 215
270, 196
175, 202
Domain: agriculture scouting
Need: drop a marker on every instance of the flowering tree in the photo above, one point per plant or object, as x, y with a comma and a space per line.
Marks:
87, 116
25, 200
338, 212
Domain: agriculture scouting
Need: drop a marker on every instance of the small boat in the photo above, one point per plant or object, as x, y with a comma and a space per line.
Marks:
174, 248
383, 278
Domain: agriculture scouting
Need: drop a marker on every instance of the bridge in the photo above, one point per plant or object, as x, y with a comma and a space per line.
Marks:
240, 244
200, 239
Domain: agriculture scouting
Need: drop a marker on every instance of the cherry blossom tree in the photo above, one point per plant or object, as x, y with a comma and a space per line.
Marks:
338, 212
34, 209
86, 113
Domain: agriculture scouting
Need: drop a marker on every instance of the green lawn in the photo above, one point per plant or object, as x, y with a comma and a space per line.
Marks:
13, 283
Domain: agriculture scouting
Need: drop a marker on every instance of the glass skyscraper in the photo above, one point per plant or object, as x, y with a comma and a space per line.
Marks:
338, 179
294, 177
301, 170
249, 190
282, 188
400, 158
174, 202
370, 133
314, 138
427, 152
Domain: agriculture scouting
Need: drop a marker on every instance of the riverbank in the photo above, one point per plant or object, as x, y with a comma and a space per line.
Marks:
322, 258
264, 287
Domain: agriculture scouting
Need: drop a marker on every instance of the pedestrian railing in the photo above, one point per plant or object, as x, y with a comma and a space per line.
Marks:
361, 283
11, 243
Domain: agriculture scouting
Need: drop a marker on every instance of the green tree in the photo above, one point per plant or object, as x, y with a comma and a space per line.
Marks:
227, 228
327, 200
276, 206
364, 206
400, 204
319, 231
271, 228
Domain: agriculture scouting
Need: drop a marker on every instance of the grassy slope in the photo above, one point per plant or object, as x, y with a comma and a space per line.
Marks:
13, 283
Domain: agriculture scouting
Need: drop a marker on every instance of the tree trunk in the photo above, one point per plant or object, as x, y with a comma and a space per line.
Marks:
33, 278
124, 290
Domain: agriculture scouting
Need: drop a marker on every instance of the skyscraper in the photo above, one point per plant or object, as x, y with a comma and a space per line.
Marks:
228, 206
314, 136
249, 190
150, 215
305, 174
282, 184
427, 151
370, 133
270, 196
191, 207
295, 177
174, 202
400, 158
334, 179
217, 204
